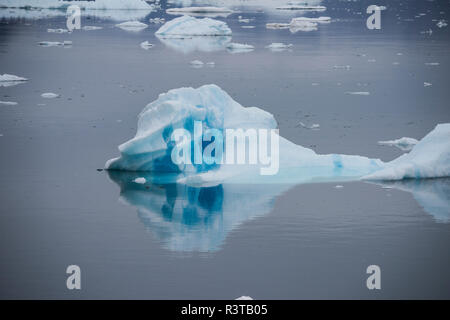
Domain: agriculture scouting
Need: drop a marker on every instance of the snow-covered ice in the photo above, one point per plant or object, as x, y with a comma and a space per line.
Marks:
157, 20
186, 26
404, 144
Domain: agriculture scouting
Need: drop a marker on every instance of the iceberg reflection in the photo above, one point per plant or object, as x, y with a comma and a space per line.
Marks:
433, 195
190, 44
186, 218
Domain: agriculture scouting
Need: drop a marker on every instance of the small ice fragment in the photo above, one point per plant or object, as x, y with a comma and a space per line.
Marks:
347, 67
146, 45
431, 63
358, 93
234, 47
319, 19
314, 126
441, 24
279, 45
9, 80
244, 298
211, 64
132, 26
140, 180
197, 63
55, 43
57, 30
8, 103
404, 144
339, 186
427, 84
91, 28
248, 27
49, 95
157, 20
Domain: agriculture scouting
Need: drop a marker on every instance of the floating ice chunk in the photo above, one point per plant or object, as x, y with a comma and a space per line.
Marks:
140, 180
234, 47
275, 25
300, 25
134, 26
91, 28
319, 19
244, 298
49, 95
302, 7
404, 144
55, 43
430, 158
431, 63
248, 27
146, 45
279, 46
57, 30
157, 20
8, 103
314, 126
9, 80
201, 11
190, 26
196, 63
87, 4
441, 24
345, 67
358, 93
427, 84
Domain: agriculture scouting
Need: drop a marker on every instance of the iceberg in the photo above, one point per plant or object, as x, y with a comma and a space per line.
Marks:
187, 26
62, 4
151, 148
430, 158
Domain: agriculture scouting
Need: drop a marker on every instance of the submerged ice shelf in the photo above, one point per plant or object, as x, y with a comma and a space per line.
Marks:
150, 150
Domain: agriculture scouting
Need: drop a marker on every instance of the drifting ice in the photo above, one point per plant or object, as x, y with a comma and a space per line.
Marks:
187, 10
61, 4
404, 144
186, 26
132, 26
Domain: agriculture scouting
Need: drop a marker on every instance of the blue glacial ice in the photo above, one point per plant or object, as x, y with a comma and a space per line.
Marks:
150, 150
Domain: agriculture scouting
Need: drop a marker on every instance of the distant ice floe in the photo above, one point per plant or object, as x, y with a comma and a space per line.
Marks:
146, 45
358, 93
49, 95
441, 24
134, 26
300, 24
55, 43
57, 30
427, 84
196, 63
279, 46
239, 47
431, 63
92, 5
9, 80
404, 144
8, 103
244, 298
314, 126
201, 11
301, 7
91, 28
187, 26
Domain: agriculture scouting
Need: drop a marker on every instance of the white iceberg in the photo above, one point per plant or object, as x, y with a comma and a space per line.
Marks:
132, 26
430, 158
404, 144
150, 150
62, 4
187, 26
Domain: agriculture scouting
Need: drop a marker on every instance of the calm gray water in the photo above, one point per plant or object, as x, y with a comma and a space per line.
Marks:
176, 242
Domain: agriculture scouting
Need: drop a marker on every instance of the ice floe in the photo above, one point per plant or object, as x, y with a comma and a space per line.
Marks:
427, 84
196, 63
358, 93
404, 144
9, 80
132, 26
244, 298
295, 25
57, 30
8, 103
62, 4
157, 20
146, 45
91, 28
140, 180
55, 43
441, 24
318, 19
301, 7
187, 26
234, 47
201, 11
279, 46
150, 150
49, 95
